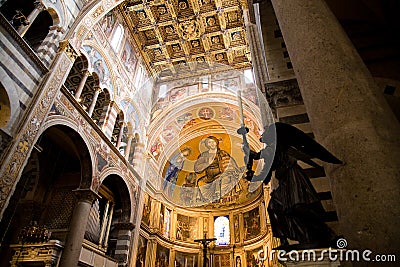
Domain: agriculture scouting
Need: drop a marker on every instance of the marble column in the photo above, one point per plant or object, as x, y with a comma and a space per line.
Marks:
39, 7
121, 133
77, 227
97, 91
351, 118
128, 146
81, 85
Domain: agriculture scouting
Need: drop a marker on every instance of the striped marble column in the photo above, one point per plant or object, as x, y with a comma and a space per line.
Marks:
108, 118
48, 49
123, 242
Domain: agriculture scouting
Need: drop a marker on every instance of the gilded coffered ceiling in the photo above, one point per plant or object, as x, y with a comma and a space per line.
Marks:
175, 35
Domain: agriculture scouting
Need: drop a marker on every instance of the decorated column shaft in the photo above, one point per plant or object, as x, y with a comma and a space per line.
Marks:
351, 118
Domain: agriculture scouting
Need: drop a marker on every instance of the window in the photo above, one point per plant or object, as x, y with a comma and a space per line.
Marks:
285, 54
277, 33
117, 36
289, 65
283, 45
163, 91
248, 76
221, 230
139, 76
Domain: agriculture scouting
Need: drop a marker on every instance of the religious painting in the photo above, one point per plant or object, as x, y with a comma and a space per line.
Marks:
206, 113
182, 119
205, 226
165, 221
183, 259
238, 261
226, 113
107, 23
128, 57
186, 228
162, 256
236, 228
156, 148
252, 226
193, 89
141, 252
253, 258
169, 133
221, 230
100, 67
146, 209
222, 260
177, 93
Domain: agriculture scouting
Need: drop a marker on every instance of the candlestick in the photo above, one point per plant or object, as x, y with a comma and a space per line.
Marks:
239, 95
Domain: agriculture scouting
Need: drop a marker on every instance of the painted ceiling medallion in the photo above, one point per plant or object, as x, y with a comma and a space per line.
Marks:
190, 29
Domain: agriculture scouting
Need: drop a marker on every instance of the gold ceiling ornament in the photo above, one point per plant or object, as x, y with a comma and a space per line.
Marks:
171, 32
190, 29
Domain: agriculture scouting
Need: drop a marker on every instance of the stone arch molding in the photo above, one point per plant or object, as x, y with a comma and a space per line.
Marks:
117, 171
91, 15
9, 88
99, 64
86, 182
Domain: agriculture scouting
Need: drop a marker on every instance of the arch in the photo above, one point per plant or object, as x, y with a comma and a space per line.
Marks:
114, 175
39, 29
75, 74
11, 91
54, 15
92, 8
98, 63
82, 143
114, 209
5, 107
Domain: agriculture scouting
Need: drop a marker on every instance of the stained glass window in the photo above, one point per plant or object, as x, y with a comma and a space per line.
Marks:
221, 230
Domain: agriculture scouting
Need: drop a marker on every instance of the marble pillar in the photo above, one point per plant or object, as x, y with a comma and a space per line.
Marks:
39, 7
351, 118
81, 85
77, 227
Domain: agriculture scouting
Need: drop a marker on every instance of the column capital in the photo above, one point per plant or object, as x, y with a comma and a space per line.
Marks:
57, 28
98, 88
86, 72
86, 195
39, 5
66, 47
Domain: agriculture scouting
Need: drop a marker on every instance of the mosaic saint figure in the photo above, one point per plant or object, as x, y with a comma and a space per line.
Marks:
175, 165
216, 163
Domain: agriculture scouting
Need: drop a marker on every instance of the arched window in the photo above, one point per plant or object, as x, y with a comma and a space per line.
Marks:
163, 91
117, 36
248, 75
221, 230
139, 76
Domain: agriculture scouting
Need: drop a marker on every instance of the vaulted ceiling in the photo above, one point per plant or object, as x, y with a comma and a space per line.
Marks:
175, 35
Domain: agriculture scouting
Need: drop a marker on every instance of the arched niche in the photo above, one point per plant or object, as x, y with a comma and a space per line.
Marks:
58, 164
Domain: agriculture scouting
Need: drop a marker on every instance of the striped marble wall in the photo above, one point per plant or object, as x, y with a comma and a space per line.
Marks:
20, 69
285, 98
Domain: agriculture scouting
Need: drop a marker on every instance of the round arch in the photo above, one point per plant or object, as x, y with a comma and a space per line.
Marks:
11, 91
127, 194
82, 143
